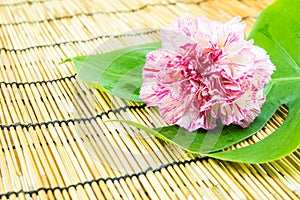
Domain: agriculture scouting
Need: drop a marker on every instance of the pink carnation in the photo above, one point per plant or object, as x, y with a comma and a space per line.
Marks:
206, 71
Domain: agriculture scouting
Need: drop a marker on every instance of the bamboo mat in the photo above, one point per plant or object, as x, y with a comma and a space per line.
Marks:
55, 144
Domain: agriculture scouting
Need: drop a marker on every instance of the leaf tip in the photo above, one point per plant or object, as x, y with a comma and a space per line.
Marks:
110, 120
65, 61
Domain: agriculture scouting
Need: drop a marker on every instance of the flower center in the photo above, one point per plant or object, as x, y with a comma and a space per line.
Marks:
215, 54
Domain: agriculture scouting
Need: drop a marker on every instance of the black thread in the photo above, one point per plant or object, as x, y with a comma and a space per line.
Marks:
79, 120
105, 12
25, 2
95, 38
18, 84
105, 180
87, 40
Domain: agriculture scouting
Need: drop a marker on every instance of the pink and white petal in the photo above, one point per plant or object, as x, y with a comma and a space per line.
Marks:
264, 68
237, 110
177, 34
154, 61
252, 114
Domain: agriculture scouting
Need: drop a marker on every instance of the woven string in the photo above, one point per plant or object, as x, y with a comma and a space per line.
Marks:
95, 38
105, 180
107, 12
25, 2
83, 41
82, 119
35, 83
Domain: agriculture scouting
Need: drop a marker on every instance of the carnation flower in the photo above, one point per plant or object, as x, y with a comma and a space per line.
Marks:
204, 72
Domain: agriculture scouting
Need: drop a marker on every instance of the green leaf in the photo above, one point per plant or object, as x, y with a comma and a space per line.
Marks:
277, 30
118, 72
193, 142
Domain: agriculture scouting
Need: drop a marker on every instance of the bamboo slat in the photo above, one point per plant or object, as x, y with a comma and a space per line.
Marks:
55, 143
